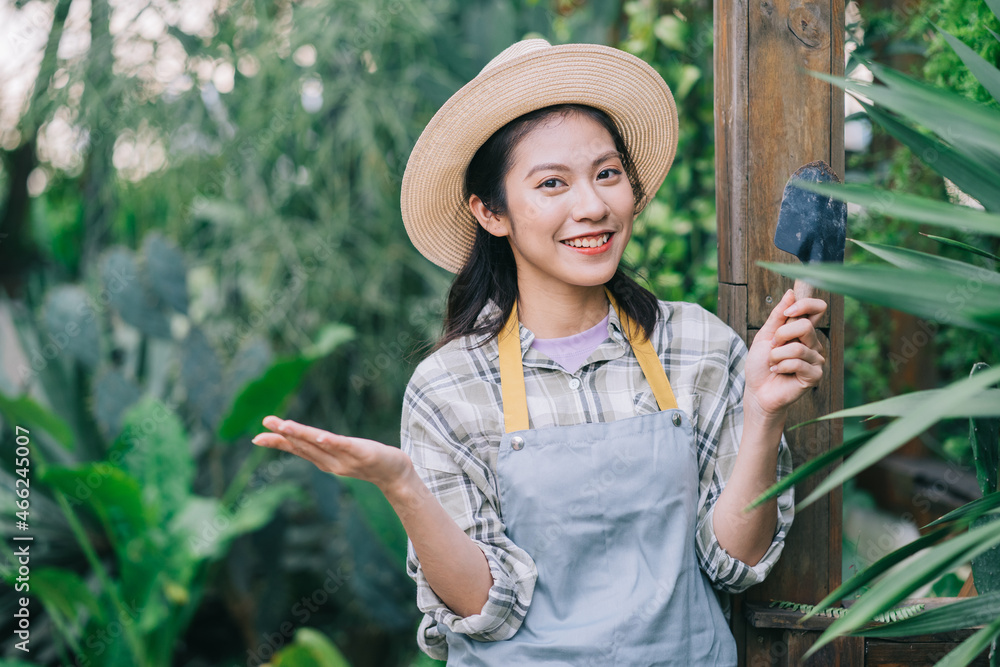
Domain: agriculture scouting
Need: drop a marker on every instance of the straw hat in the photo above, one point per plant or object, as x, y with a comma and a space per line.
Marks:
529, 75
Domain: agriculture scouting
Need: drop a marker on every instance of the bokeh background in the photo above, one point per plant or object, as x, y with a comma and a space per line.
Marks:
199, 226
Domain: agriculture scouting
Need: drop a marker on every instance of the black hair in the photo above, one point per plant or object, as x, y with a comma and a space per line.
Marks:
490, 271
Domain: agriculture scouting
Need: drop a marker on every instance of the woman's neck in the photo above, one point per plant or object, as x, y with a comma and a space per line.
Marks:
557, 314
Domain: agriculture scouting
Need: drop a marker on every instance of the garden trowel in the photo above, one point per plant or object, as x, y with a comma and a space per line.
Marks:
811, 226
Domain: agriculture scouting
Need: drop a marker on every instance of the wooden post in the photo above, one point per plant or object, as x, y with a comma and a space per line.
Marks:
771, 117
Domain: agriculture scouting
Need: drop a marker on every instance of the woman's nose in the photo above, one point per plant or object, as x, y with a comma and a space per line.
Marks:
589, 204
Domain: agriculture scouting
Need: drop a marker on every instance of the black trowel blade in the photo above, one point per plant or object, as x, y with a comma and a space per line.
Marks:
811, 226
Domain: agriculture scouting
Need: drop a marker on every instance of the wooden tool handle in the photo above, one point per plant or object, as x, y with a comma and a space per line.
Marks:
803, 290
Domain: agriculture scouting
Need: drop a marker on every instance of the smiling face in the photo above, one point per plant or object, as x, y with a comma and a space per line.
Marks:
570, 205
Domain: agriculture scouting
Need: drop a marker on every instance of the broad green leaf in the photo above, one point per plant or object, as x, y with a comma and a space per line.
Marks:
915, 260
294, 655
813, 466
987, 74
970, 510
968, 650
268, 394
924, 414
970, 176
949, 109
994, 6
963, 613
329, 339
310, 647
933, 295
971, 127
963, 246
257, 506
109, 492
911, 207
26, 412
206, 527
895, 587
64, 594
154, 449
984, 404
198, 527
984, 438
986, 566
880, 567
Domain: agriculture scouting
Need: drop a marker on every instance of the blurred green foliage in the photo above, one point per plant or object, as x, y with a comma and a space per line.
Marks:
268, 141
877, 353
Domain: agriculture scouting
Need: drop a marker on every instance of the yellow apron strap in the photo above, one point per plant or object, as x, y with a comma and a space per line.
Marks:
515, 401
649, 361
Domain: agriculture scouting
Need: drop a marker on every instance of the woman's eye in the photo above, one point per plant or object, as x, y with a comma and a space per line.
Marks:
551, 183
608, 173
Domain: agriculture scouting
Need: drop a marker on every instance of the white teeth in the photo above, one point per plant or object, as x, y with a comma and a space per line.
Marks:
592, 242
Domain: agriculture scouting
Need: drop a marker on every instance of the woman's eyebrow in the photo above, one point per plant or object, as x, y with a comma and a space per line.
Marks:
555, 166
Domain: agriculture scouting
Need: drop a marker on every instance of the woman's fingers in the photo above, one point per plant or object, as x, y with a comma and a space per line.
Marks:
338, 454
810, 308
795, 350
328, 451
801, 329
301, 431
809, 374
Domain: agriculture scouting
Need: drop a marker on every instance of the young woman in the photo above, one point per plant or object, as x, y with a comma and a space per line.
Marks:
575, 454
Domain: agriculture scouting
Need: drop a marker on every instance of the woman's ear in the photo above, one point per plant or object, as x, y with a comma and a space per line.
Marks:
494, 224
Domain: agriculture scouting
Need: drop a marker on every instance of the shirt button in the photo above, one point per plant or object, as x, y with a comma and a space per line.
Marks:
676, 419
517, 443
574, 383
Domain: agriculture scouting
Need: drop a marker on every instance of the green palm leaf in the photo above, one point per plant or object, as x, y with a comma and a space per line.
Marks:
970, 127
931, 294
896, 587
985, 404
905, 258
964, 613
971, 647
911, 207
969, 175
812, 466
880, 567
971, 510
963, 246
985, 73
924, 414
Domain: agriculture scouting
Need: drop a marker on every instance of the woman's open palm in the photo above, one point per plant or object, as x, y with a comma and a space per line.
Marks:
361, 458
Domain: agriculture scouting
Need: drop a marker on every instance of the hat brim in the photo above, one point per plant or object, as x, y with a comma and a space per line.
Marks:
435, 213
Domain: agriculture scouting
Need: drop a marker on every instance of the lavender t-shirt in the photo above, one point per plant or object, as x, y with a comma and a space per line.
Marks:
571, 351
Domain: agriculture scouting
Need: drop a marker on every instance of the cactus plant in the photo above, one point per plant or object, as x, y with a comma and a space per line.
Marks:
143, 399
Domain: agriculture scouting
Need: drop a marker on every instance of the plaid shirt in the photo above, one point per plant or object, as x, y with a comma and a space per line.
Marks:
452, 423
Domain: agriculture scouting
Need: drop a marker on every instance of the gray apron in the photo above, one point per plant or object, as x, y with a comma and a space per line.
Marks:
607, 511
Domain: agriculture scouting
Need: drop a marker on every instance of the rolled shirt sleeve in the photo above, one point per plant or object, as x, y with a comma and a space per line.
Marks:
718, 446
464, 483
